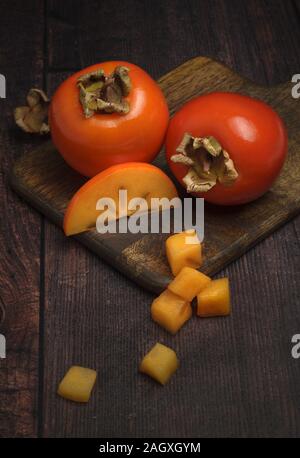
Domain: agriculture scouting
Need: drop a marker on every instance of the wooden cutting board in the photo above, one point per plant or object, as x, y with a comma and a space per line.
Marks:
43, 179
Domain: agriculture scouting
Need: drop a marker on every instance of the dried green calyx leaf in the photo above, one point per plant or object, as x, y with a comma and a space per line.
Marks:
99, 93
208, 163
33, 118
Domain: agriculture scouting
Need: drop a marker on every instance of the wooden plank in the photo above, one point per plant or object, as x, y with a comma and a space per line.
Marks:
259, 39
48, 183
254, 38
63, 23
236, 377
21, 61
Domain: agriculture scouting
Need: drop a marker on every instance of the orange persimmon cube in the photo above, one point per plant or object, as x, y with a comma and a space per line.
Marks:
170, 311
160, 363
183, 250
188, 283
214, 300
77, 384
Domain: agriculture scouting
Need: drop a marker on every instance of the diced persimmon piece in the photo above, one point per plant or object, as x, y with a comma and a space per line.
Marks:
77, 384
160, 363
188, 283
183, 250
214, 300
170, 311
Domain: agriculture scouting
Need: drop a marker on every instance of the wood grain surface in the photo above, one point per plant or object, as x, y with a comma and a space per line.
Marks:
43, 179
63, 305
20, 231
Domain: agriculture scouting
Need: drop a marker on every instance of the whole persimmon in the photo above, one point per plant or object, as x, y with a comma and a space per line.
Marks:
226, 147
106, 114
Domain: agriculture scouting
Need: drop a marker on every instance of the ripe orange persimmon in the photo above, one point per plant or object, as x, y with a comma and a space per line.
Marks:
106, 114
226, 147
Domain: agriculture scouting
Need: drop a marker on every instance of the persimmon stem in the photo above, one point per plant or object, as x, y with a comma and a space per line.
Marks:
208, 163
33, 118
99, 93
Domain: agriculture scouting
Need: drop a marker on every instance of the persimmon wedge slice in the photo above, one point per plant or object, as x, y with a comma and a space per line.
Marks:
139, 179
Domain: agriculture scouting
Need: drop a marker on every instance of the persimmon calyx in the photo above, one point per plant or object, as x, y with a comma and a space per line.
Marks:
99, 93
33, 118
208, 163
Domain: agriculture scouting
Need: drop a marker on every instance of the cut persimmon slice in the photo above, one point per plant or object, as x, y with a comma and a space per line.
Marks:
139, 179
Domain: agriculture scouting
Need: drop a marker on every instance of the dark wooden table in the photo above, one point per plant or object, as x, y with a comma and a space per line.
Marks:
64, 306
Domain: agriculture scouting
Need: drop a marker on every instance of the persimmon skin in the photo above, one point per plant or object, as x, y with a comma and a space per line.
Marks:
90, 145
248, 129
